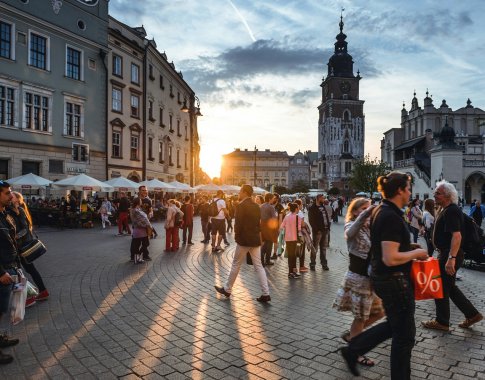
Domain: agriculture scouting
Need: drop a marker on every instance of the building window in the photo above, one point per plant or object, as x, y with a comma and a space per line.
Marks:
170, 162
117, 66
150, 110
161, 83
150, 149
116, 144
178, 158
80, 152
4, 169
39, 51
134, 147
56, 166
7, 106
170, 122
116, 99
186, 134
30, 167
36, 112
73, 126
348, 167
135, 74
346, 146
178, 128
6, 44
178, 98
73, 63
161, 118
186, 161
171, 91
150, 72
160, 152
135, 106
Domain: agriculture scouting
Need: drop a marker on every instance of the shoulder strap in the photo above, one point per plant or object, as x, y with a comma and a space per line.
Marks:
326, 214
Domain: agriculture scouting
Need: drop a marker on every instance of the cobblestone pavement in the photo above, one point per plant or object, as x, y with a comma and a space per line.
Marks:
108, 318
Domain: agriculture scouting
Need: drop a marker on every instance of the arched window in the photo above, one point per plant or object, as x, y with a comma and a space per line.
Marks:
346, 146
346, 115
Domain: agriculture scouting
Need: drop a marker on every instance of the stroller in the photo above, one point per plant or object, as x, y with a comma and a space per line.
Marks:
475, 259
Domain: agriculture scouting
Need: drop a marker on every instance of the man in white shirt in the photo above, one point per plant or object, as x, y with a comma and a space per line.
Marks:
218, 222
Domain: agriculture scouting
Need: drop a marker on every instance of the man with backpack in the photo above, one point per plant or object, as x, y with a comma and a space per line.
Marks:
477, 212
217, 212
447, 238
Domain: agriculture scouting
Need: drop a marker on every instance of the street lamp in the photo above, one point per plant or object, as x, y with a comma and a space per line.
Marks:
255, 174
194, 112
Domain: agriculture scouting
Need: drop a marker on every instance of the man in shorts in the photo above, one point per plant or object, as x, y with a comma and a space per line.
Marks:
218, 222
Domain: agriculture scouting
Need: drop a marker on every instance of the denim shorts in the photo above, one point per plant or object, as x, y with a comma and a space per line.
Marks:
5, 293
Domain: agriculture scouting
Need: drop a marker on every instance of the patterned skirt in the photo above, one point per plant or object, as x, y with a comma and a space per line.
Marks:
356, 295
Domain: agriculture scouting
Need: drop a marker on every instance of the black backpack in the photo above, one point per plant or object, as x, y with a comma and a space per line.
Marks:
213, 210
472, 237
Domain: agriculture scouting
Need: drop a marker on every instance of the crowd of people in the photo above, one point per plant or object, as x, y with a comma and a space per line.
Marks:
381, 241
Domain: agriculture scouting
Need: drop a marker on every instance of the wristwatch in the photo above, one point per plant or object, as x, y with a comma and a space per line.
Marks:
451, 257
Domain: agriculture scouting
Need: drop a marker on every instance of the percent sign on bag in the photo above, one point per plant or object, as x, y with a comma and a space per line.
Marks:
427, 280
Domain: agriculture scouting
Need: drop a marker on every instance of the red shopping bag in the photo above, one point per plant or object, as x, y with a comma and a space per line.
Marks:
426, 276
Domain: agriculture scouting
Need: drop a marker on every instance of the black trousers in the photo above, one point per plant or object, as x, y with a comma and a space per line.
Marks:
139, 245
187, 228
398, 299
451, 292
266, 251
34, 273
291, 251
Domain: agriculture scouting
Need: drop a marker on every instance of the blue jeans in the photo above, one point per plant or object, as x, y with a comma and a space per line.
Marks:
398, 299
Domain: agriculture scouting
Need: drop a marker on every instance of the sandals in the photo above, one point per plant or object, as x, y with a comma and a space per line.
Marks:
345, 336
365, 361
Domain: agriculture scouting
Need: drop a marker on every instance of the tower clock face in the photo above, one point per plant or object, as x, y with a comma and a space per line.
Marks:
345, 86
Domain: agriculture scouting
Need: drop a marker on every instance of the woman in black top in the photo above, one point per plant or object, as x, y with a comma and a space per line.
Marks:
20, 212
392, 254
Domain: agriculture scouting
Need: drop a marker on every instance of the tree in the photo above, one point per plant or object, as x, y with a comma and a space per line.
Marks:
365, 173
300, 186
334, 191
280, 190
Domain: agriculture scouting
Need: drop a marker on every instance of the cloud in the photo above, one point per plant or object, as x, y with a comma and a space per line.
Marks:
239, 104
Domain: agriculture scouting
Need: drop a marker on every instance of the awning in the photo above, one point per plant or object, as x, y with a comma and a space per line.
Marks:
410, 143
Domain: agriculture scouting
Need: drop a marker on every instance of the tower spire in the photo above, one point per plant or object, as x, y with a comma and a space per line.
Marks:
341, 24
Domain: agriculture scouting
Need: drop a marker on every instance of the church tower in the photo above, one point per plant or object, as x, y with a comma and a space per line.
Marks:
341, 126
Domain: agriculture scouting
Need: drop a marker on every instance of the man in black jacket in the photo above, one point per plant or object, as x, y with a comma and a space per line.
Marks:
248, 239
319, 215
8, 266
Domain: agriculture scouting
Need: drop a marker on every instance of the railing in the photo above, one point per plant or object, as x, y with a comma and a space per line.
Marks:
474, 163
404, 163
421, 174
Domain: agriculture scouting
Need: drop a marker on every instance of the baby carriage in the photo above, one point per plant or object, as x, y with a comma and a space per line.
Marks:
474, 253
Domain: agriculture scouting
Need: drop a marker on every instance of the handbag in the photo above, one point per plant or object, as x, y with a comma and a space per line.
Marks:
426, 276
19, 296
32, 250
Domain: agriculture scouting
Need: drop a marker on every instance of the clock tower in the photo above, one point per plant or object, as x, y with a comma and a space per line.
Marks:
341, 126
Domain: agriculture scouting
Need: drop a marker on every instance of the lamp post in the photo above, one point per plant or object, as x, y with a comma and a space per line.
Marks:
194, 112
255, 174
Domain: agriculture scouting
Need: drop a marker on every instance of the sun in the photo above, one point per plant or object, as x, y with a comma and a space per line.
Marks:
210, 162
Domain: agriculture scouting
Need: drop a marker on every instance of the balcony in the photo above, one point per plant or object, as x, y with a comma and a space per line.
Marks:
404, 163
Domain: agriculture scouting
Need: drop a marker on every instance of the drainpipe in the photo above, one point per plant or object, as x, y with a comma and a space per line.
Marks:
144, 120
102, 55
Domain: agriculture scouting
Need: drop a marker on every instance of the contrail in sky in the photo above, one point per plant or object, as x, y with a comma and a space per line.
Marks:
243, 20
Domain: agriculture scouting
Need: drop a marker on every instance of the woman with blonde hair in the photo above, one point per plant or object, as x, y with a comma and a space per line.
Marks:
356, 294
172, 225
23, 221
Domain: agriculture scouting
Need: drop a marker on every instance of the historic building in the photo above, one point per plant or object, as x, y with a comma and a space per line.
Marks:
341, 126
153, 115
256, 167
303, 168
435, 143
53, 88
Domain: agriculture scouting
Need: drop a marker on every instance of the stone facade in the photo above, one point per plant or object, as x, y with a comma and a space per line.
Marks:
53, 88
435, 143
303, 167
341, 126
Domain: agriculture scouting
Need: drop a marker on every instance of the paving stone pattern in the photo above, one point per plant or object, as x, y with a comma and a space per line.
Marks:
108, 318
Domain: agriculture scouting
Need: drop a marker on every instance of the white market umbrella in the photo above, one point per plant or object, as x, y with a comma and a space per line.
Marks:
362, 194
156, 185
181, 187
29, 181
209, 188
83, 182
258, 190
122, 184
232, 189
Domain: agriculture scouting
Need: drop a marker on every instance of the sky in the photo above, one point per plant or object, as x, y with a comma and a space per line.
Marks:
257, 65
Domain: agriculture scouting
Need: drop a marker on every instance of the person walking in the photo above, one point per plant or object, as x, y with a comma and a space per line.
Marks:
269, 229
123, 210
218, 226
23, 225
447, 240
356, 294
9, 264
304, 226
416, 219
292, 227
391, 257
428, 224
477, 212
105, 211
248, 240
141, 226
319, 216
188, 226
204, 219
172, 222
